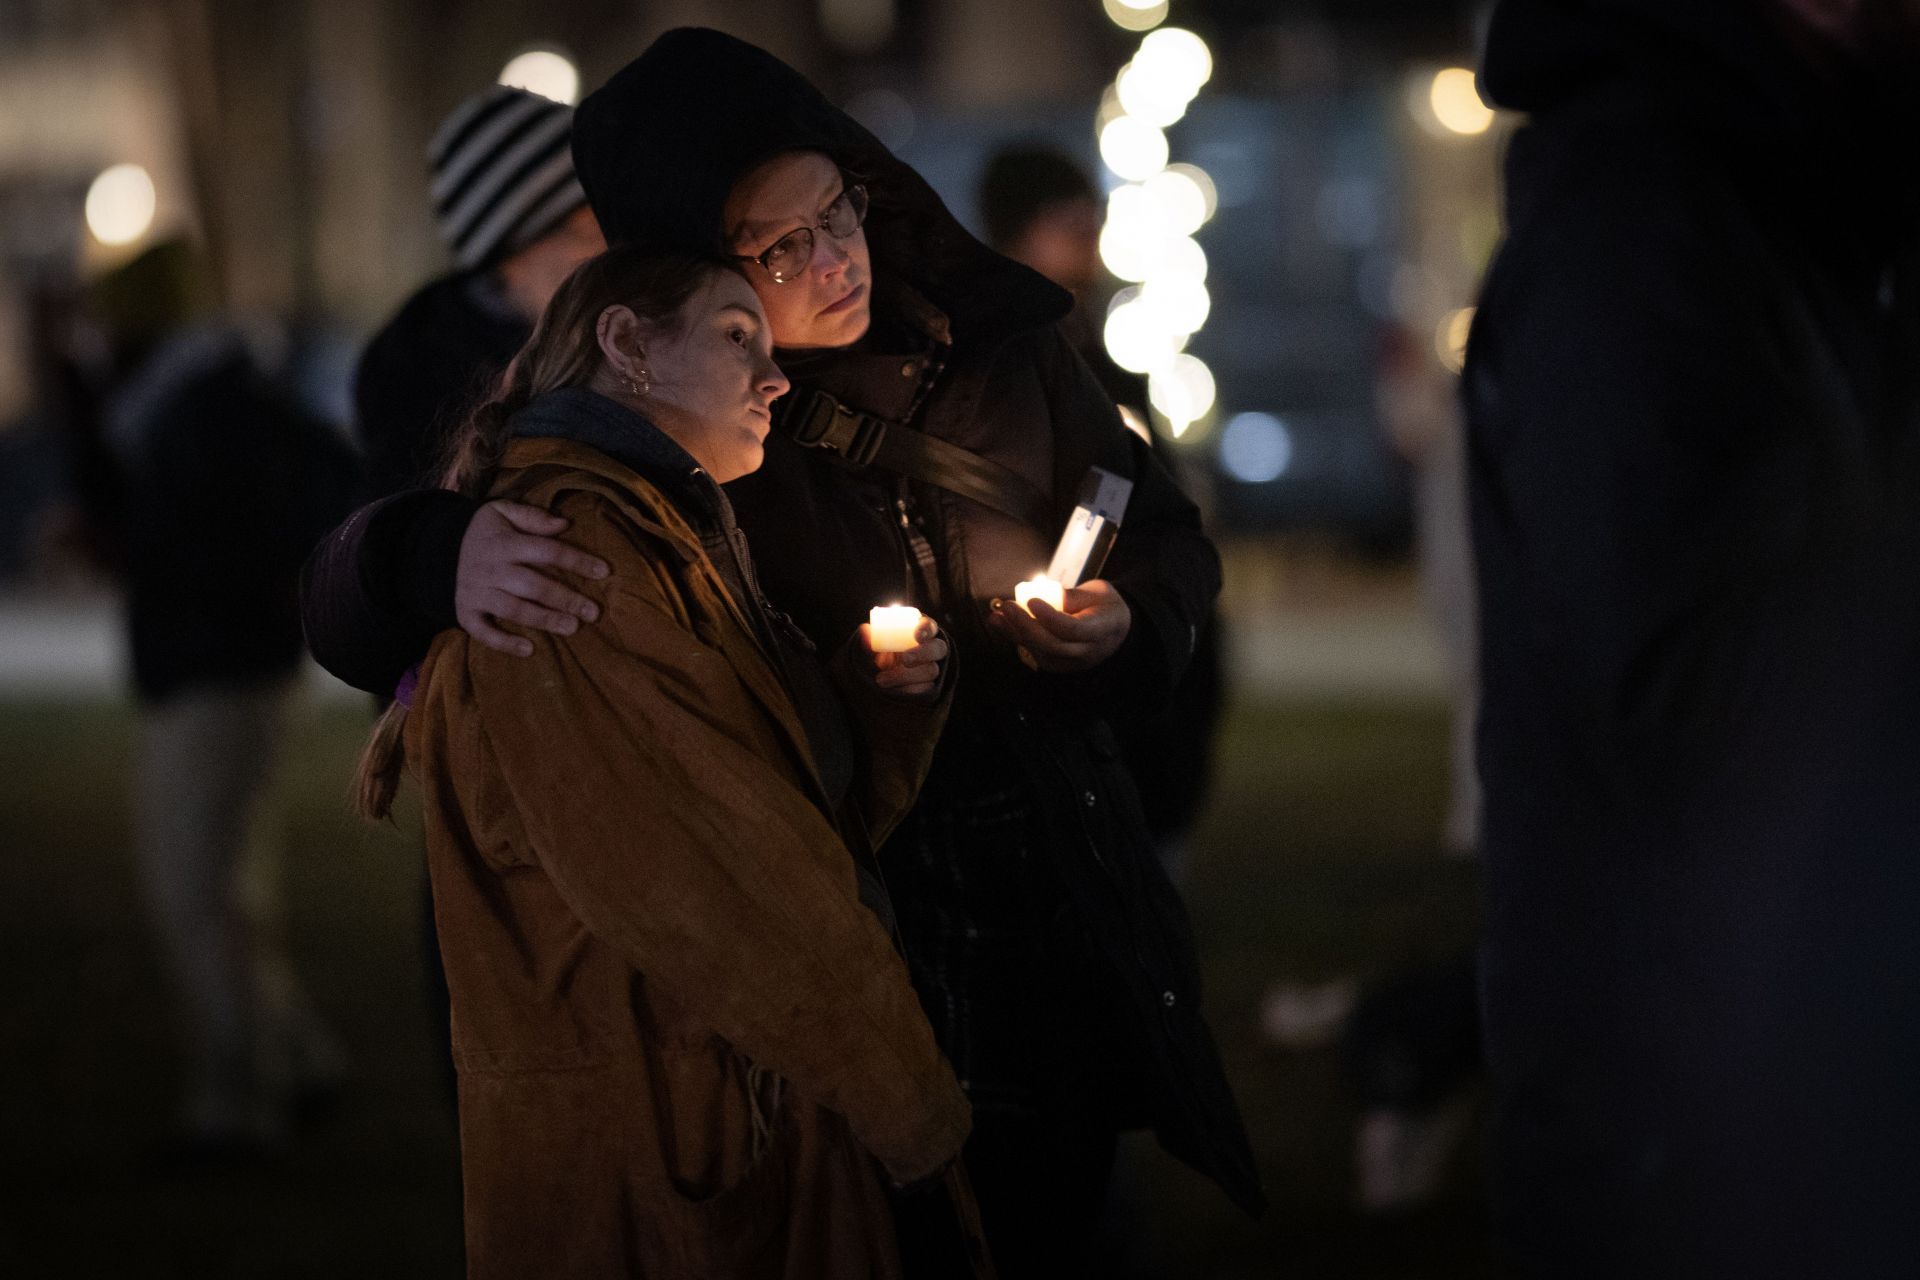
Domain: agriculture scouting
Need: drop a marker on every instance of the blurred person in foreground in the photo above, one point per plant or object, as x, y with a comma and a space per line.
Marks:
226, 482
1041, 209
1048, 947
680, 1022
1695, 470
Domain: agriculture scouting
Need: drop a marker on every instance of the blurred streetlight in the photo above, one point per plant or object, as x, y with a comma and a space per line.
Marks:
1136, 15
120, 205
544, 71
1455, 100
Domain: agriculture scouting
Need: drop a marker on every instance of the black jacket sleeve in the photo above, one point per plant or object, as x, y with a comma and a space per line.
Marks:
1162, 563
378, 588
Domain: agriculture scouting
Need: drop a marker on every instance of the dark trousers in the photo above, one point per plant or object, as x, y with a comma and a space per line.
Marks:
1041, 1184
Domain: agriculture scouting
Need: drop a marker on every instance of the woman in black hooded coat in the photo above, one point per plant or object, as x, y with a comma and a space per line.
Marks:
1053, 956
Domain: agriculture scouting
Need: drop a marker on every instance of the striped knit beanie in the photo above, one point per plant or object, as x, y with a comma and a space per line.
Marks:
502, 173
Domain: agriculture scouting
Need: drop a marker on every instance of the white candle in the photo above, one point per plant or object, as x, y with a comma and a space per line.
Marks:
1040, 588
894, 627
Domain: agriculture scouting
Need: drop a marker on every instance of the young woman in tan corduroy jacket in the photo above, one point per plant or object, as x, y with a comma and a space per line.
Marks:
686, 1043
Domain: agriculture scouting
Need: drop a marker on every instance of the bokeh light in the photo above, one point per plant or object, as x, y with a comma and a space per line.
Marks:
1203, 183
1137, 335
1450, 338
1127, 253
1176, 56
1152, 94
1183, 392
1136, 15
545, 71
1455, 99
1143, 238
1256, 448
1178, 256
1181, 204
1152, 217
121, 204
886, 115
1132, 148
1180, 302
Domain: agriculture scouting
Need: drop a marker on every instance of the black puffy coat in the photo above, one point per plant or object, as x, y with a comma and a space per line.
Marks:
1695, 470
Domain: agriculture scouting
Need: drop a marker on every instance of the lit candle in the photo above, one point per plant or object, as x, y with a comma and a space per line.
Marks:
894, 627
1040, 588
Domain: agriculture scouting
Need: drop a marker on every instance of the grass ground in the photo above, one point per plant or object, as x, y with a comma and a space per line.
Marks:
1315, 860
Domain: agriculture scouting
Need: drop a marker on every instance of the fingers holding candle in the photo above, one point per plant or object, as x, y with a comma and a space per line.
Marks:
913, 671
1041, 588
893, 628
1088, 630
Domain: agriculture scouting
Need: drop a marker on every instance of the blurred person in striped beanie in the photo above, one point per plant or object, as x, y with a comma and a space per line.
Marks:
513, 216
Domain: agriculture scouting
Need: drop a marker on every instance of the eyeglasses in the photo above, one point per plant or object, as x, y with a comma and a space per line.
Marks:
790, 255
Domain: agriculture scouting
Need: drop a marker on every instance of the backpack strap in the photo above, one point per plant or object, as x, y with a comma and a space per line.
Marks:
817, 420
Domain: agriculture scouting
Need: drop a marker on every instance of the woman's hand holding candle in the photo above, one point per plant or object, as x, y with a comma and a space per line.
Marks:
891, 628
907, 651
1040, 588
1082, 632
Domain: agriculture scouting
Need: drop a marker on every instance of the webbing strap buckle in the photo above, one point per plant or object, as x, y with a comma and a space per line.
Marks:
824, 423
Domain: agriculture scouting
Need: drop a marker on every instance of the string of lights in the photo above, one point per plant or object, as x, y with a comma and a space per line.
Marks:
1154, 213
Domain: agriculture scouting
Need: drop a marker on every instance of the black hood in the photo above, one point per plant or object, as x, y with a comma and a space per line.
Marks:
659, 146
1541, 53
1727, 68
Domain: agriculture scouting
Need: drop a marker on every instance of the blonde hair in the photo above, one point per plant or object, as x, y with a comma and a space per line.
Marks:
564, 351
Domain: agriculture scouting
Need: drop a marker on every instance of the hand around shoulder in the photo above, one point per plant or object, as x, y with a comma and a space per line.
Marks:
511, 569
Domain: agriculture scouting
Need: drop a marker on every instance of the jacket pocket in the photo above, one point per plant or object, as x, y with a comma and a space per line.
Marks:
739, 1230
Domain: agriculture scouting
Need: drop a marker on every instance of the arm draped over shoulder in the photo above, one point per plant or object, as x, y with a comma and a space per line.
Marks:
655, 792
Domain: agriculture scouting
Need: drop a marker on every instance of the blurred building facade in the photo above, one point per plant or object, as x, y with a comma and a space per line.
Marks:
288, 136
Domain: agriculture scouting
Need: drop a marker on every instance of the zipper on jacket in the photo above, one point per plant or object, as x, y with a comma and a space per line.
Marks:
920, 555
775, 621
